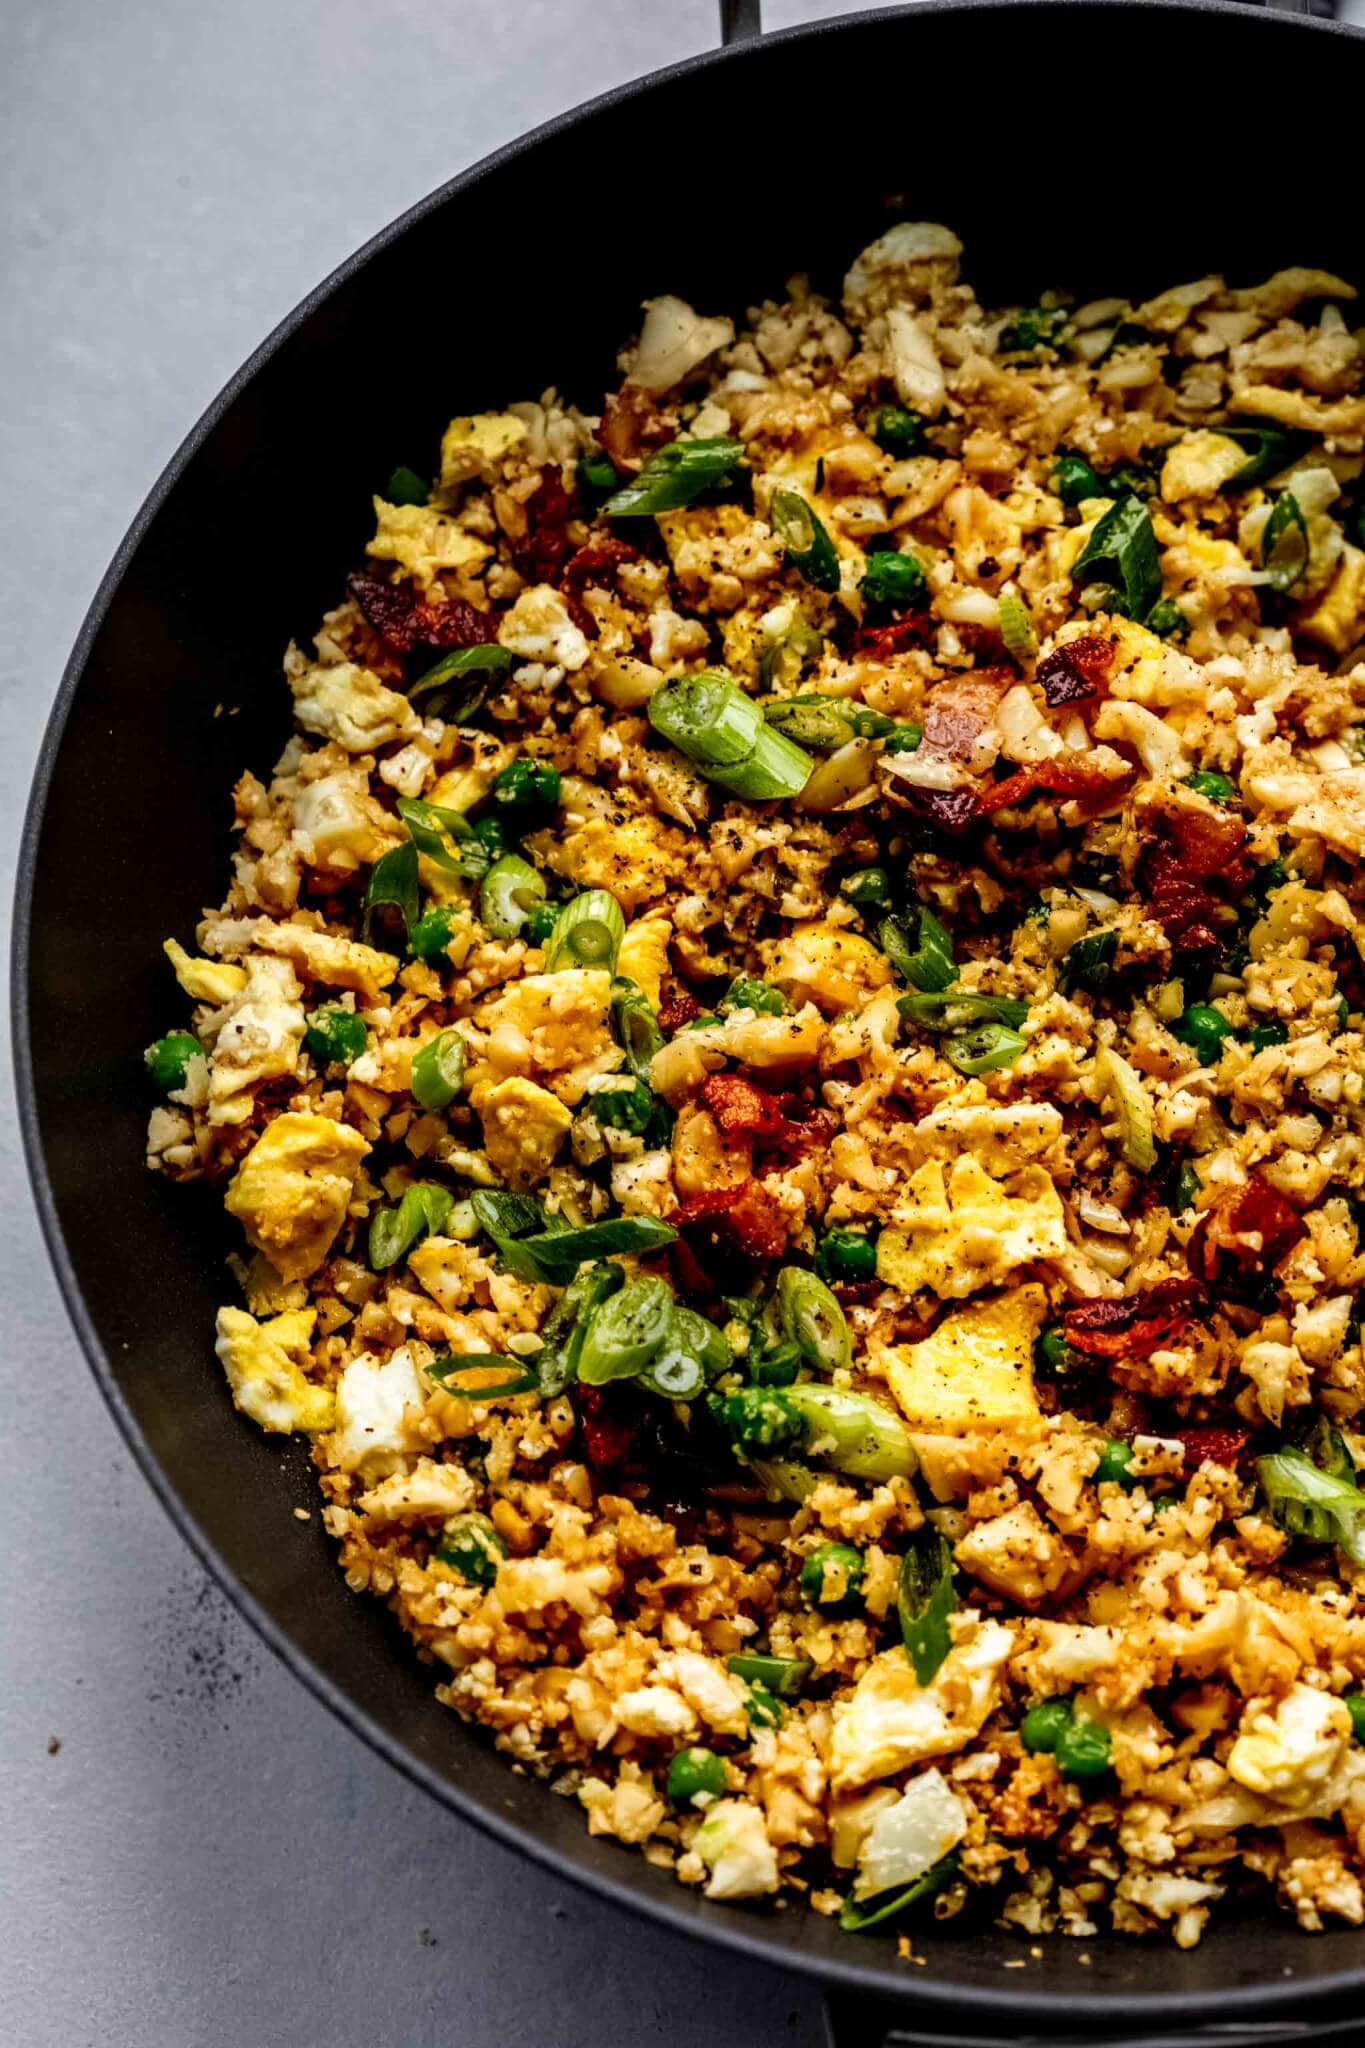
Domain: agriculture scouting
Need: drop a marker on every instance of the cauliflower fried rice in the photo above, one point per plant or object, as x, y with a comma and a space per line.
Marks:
786, 1041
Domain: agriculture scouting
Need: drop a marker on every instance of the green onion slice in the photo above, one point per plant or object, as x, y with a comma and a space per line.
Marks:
852, 1432
980, 1048
566, 1327
925, 1598
784, 656
508, 1219
508, 893
1089, 963
438, 1070
857, 1918
723, 732
635, 1026
1284, 543
559, 1253
468, 1374
627, 1333
393, 884
424, 1210
405, 487
430, 826
1122, 552
813, 1320
486, 659
928, 963
1015, 622
1313, 1504
1268, 445
675, 1375
676, 475
808, 545
944, 1008
588, 932
825, 722
782, 1676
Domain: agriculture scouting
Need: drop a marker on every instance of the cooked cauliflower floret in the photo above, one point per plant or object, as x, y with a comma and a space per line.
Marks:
539, 628
733, 1843
264, 1365
674, 343
1016, 1554
338, 824
291, 1192
910, 1837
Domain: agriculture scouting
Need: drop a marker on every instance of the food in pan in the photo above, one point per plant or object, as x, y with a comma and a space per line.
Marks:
786, 1044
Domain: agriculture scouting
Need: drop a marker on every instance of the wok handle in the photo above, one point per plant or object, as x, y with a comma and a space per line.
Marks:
860, 2022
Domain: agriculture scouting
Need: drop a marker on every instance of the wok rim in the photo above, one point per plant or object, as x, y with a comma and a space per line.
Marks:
1018, 2002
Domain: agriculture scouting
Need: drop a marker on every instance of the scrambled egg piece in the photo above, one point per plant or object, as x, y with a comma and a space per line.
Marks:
351, 706
539, 628
1288, 1755
375, 1400
1016, 1554
1199, 465
259, 1040
892, 1721
1338, 617
264, 1365
637, 858
322, 956
555, 1025
733, 1843
1146, 669
424, 542
965, 1232
823, 964
477, 445
975, 1371
1003, 1136
338, 824
643, 957
291, 1192
206, 981
523, 1129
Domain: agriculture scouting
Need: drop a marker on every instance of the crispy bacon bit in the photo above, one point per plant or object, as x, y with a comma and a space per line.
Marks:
1088, 785
1209, 1444
1244, 1235
956, 713
677, 1009
951, 810
743, 1110
1132, 1325
746, 1220
808, 1128
1077, 671
1191, 846
609, 1420
589, 565
548, 512
881, 643
404, 621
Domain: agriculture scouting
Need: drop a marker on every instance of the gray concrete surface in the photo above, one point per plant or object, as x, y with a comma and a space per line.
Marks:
192, 1854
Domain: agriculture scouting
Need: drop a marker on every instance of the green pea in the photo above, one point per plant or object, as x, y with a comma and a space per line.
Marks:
627, 1108
869, 889
760, 1419
597, 473
1219, 789
747, 992
431, 935
1268, 1034
1052, 1354
1044, 1725
335, 1036
1354, 1703
473, 1546
692, 1772
168, 1060
1203, 1028
1115, 1460
1166, 620
832, 1578
894, 579
1074, 480
527, 785
897, 431
846, 1255
1082, 1749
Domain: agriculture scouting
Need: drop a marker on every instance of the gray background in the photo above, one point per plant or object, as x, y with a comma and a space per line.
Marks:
208, 1858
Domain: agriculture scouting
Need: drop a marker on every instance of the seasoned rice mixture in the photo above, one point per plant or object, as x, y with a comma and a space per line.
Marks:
786, 1042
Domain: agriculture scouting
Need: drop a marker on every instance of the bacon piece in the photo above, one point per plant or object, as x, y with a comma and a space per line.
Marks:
1244, 1235
745, 1220
1076, 672
1132, 1325
1088, 785
548, 512
1210, 1444
743, 1110
609, 1420
951, 810
677, 1008
881, 643
592, 564
1192, 845
404, 621
808, 1128
957, 712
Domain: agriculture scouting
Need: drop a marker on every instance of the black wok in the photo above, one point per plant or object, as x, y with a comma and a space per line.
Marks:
1101, 146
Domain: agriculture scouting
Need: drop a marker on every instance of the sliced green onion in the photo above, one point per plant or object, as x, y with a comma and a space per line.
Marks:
508, 894
635, 1026
527, 785
676, 475
1122, 552
168, 1060
405, 487
1320, 1439
927, 963
335, 1036
783, 1677
423, 1210
856, 1917
1089, 963
1269, 446
853, 1433
393, 885
759, 1419
1284, 543
588, 932
1123, 1085
925, 1599
1312, 1504
627, 1332
1015, 623
813, 1320
466, 1373
460, 699
812, 721
597, 472
431, 827
438, 1070
847, 1255
1219, 789
508, 1219
566, 1327
626, 1106
747, 992
808, 546
1167, 620
785, 655
981, 1048
473, 1547
695, 1773
1034, 327
559, 1253
675, 1375
723, 732
943, 1008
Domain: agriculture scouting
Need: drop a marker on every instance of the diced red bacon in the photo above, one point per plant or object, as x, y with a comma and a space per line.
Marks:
404, 621
593, 564
1210, 1444
540, 556
609, 1421
1089, 786
677, 1009
743, 1110
746, 1219
1133, 1325
1245, 1234
1192, 847
1077, 672
882, 643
